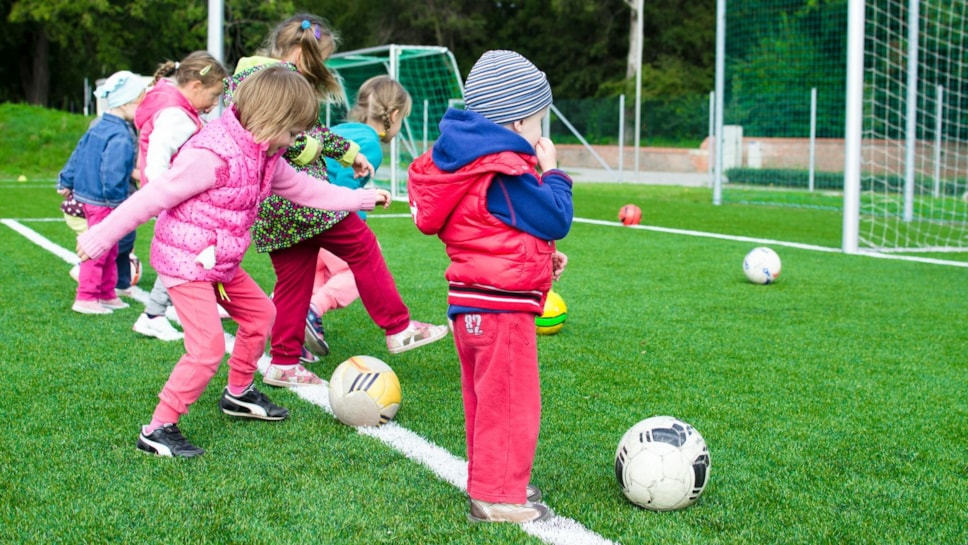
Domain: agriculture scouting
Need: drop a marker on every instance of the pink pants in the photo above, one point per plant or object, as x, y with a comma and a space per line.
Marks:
352, 241
98, 277
197, 304
502, 402
334, 286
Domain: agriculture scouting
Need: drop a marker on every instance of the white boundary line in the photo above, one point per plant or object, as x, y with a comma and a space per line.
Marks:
557, 530
767, 241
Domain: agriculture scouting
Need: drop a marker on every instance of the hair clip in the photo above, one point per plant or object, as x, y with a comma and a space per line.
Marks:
177, 64
305, 24
316, 30
205, 70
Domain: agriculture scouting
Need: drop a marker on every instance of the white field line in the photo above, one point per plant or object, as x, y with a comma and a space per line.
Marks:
771, 242
557, 530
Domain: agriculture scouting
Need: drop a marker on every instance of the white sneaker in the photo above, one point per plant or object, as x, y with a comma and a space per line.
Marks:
483, 511
416, 335
157, 327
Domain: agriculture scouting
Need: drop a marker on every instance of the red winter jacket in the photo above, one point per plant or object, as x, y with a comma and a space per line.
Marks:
493, 266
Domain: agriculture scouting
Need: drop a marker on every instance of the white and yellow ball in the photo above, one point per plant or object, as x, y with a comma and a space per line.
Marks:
364, 391
553, 317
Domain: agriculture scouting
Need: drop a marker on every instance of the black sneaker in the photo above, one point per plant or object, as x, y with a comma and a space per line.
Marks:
168, 441
251, 404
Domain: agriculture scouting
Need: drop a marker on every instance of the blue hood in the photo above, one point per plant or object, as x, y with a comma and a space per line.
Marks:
466, 136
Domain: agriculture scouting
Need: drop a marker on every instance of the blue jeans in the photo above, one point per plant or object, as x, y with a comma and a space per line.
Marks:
125, 245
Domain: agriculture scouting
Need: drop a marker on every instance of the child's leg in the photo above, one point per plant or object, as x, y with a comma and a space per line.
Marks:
352, 241
502, 402
251, 308
334, 286
123, 260
204, 346
158, 299
97, 276
294, 285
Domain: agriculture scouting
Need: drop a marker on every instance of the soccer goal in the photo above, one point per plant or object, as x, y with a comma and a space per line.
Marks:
430, 75
906, 168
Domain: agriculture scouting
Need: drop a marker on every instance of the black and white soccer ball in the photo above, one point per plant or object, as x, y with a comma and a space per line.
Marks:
662, 464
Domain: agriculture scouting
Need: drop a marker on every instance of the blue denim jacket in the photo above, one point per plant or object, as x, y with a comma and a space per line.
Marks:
99, 170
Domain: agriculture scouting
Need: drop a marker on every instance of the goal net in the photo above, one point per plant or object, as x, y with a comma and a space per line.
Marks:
430, 75
911, 187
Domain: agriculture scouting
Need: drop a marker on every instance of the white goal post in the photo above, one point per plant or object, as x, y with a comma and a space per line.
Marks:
906, 149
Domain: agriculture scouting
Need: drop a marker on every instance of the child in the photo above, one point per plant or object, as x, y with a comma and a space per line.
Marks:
98, 174
169, 115
293, 234
206, 204
491, 191
382, 104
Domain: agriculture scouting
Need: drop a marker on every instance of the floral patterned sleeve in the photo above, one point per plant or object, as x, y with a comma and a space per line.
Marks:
320, 138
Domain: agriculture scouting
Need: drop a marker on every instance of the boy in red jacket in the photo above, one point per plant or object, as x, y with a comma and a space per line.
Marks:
491, 190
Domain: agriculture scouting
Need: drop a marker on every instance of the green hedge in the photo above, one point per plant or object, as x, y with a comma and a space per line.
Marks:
785, 178
833, 180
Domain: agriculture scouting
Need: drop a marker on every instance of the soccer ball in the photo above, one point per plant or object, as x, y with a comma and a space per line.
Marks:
630, 214
364, 391
662, 464
762, 265
553, 317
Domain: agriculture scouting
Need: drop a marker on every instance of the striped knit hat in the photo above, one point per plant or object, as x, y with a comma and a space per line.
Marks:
504, 87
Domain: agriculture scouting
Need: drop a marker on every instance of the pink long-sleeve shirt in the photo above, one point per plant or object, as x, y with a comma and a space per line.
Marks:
194, 173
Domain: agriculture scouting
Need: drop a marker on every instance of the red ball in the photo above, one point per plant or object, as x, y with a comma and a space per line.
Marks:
630, 214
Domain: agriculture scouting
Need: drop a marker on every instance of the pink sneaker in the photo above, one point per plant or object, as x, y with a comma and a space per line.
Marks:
416, 335
89, 307
290, 376
114, 304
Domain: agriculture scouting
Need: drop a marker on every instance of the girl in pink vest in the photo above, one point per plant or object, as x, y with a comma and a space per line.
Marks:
206, 204
169, 115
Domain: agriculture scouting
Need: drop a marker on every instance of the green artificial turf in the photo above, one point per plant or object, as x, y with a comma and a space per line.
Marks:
834, 402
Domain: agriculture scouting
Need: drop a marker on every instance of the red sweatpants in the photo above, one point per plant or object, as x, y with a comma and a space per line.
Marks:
502, 402
197, 304
352, 241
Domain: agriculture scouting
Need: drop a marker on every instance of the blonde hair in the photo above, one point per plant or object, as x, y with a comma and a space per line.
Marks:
273, 100
378, 97
314, 39
197, 66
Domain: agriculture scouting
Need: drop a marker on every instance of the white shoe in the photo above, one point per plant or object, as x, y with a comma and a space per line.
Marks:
157, 327
416, 335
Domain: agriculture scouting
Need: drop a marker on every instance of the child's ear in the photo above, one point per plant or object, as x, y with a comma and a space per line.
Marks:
516, 126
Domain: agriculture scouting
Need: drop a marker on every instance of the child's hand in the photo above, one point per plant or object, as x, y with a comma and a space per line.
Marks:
546, 153
64, 192
362, 166
82, 254
383, 197
558, 263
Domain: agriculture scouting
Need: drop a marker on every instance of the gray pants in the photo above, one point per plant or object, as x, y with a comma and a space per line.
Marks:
158, 300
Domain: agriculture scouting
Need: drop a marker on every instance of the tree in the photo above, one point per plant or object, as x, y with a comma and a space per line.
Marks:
74, 40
